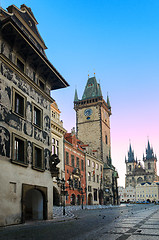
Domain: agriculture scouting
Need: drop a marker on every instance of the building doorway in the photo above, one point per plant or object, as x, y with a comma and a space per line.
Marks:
78, 199
34, 204
90, 199
56, 197
73, 199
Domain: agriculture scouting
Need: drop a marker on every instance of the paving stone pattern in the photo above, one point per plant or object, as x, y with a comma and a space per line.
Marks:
142, 226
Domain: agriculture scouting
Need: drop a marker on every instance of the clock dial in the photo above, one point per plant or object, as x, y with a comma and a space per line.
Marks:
88, 112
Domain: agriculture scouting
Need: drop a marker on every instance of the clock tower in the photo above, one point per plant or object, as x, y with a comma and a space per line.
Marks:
93, 119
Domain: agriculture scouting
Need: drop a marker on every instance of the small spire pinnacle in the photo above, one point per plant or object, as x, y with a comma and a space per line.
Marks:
108, 102
76, 96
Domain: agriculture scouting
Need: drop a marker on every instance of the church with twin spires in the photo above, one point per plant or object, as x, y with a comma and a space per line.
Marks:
136, 172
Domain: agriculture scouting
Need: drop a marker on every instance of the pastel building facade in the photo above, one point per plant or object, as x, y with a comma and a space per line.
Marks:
147, 192
57, 147
75, 170
127, 194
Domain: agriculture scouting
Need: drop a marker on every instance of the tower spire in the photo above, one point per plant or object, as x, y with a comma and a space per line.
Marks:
76, 96
108, 101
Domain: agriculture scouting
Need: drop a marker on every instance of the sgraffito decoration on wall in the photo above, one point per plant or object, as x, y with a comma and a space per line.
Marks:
47, 123
29, 152
47, 158
4, 142
25, 87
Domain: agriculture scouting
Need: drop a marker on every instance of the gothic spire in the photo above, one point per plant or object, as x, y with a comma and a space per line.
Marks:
149, 151
76, 96
130, 154
108, 102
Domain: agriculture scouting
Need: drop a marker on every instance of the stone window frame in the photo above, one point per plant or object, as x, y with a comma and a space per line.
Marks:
41, 169
18, 57
41, 116
67, 158
89, 176
24, 163
72, 160
77, 162
15, 91
82, 165
43, 82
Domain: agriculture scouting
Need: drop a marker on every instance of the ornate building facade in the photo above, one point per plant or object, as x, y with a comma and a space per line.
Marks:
136, 172
57, 147
75, 170
26, 79
93, 128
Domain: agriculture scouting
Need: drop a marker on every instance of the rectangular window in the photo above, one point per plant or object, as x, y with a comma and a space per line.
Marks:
88, 161
20, 64
67, 158
18, 103
93, 164
38, 158
101, 168
77, 162
97, 166
41, 84
37, 117
82, 165
93, 177
19, 149
89, 189
95, 194
89, 176
55, 146
72, 160
97, 178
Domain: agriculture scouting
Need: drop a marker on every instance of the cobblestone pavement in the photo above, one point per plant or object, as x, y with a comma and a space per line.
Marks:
144, 225
70, 211
132, 222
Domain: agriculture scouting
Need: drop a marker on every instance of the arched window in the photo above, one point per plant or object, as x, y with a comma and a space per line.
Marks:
149, 165
106, 139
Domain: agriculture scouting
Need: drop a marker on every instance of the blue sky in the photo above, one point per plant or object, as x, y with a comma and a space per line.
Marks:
119, 41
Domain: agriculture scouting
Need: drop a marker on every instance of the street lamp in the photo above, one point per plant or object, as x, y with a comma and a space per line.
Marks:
61, 184
80, 190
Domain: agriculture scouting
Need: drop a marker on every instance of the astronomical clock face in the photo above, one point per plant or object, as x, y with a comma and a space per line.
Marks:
88, 112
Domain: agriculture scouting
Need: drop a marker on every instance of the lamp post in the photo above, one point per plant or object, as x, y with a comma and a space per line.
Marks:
82, 193
61, 184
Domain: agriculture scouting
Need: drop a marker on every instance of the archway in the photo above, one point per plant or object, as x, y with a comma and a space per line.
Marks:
73, 199
90, 199
78, 199
56, 197
34, 205
139, 180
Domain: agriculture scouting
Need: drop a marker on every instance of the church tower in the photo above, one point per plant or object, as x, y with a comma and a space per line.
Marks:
150, 164
93, 119
130, 167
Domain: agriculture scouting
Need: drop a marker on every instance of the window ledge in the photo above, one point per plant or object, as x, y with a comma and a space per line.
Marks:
19, 163
38, 169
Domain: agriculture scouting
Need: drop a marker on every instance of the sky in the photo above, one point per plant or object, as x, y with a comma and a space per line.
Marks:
118, 40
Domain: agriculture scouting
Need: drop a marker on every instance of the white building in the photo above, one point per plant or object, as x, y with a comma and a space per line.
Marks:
147, 192
57, 142
127, 194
